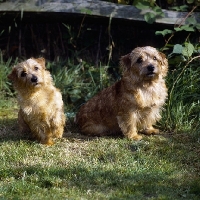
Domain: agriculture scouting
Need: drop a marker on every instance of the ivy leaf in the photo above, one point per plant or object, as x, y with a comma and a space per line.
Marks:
142, 6
181, 8
191, 20
150, 18
177, 49
164, 32
188, 49
186, 27
158, 10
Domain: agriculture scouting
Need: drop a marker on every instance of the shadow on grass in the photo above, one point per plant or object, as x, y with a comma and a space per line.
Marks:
9, 131
72, 132
124, 184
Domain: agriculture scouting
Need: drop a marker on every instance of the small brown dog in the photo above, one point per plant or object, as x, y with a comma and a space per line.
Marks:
132, 104
41, 106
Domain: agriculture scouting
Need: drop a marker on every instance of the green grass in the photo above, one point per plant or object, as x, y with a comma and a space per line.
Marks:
79, 167
182, 108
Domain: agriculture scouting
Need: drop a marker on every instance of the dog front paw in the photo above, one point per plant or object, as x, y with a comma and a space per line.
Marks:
150, 131
133, 136
47, 141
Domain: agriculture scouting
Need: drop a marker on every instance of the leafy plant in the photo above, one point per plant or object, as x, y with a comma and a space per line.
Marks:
79, 82
149, 9
183, 105
182, 110
5, 67
191, 25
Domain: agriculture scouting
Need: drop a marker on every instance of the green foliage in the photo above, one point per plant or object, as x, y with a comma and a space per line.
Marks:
164, 32
180, 8
78, 82
184, 85
185, 51
150, 10
183, 104
5, 68
191, 26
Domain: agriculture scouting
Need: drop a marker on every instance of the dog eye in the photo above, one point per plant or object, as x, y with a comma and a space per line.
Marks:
154, 58
139, 60
23, 74
36, 68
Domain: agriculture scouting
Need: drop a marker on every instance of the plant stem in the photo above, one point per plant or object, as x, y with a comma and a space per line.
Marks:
179, 25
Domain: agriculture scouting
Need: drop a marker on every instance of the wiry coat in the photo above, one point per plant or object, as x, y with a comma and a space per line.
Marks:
41, 106
132, 104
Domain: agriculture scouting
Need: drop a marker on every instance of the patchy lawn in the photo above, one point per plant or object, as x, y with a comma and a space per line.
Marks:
78, 167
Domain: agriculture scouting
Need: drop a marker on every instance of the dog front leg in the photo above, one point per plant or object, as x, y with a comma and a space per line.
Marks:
149, 120
23, 126
127, 124
46, 140
45, 136
42, 133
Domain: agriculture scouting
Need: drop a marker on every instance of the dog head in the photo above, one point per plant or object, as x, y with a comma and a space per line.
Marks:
145, 64
30, 74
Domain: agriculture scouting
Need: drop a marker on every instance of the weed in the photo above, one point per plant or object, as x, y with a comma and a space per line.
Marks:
183, 105
5, 67
79, 82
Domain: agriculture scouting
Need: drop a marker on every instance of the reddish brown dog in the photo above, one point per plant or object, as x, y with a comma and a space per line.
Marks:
132, 104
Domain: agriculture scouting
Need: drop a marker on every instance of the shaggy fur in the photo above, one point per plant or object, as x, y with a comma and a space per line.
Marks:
132, 104
41, 106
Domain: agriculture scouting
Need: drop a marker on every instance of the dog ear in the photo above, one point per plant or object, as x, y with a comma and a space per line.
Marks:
164, 63
41, 61
125, 62
13, 75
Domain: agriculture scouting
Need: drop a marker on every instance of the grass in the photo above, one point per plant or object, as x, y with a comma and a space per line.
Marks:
79, 167
183, 105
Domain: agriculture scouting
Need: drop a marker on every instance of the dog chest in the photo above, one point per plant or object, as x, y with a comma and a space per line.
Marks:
150, 97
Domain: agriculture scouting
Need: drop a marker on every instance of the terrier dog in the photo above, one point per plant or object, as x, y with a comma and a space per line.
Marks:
133, 103
41, 106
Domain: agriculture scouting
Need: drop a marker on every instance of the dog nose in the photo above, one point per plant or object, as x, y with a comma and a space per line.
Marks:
34, 79
150, 68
